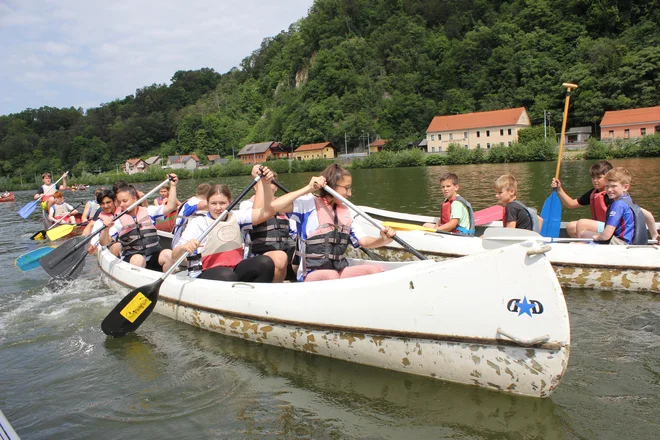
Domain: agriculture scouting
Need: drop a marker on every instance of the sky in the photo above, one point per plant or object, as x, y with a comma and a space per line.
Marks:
82, 53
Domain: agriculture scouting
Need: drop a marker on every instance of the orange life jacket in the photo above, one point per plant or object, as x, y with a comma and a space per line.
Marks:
598, 206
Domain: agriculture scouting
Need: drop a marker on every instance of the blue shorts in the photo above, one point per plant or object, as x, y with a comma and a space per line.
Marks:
601, 227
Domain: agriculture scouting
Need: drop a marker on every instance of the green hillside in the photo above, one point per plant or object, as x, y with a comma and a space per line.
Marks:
357, 68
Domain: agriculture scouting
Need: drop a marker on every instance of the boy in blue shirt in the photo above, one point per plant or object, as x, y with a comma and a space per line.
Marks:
624, 222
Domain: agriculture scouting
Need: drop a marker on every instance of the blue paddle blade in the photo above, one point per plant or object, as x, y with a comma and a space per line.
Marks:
28, 209
30, 260
551, 214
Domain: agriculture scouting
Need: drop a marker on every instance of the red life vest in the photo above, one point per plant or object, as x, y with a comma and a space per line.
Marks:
598, 205
138, 234
325, 246
445, 215
224, 245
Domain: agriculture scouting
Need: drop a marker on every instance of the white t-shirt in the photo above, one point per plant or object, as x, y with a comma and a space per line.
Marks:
197, 225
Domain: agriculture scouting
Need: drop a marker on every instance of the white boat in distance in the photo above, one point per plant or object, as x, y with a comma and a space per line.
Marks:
506, 330
588, 266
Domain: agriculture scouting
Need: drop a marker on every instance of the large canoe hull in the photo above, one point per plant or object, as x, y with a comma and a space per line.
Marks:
583, 266
415, 319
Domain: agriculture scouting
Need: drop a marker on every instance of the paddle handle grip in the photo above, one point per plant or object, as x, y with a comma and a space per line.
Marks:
377, 224
208, 230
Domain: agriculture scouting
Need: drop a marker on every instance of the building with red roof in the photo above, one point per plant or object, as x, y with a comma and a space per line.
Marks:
321, 150
633, 123
476, 130
132, 166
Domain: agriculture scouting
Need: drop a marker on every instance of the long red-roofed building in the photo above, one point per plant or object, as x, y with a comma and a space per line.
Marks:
633, 123
476, 130
321, 150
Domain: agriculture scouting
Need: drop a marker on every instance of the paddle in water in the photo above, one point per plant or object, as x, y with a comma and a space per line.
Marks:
551, 212
30, 260
135, 307
30, 207
59, 262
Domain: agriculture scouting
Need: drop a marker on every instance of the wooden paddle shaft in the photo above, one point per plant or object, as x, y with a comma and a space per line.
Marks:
568, 86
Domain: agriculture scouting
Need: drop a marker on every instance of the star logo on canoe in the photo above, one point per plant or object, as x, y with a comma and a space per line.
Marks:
525, 306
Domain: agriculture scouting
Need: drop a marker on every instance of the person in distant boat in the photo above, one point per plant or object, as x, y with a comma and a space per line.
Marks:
516, 214
325, 228
106, 200
163, 195
5, 194
47, 190
189, 208
136, 230
273, 238
60, 210
92, 208
598, 200
221, 251
625, 223
456, 214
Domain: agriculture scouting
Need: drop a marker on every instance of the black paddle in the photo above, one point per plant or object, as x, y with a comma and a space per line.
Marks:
59, 262
371, 254
135, 307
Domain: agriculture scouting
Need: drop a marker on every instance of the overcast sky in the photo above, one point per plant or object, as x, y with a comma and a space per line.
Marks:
82, 53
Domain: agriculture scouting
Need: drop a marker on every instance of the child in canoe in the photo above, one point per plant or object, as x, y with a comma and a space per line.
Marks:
188, 209
516, 214
60, 210
625, 223
456, 214
105, 198
221, 251
325, 228
271, 236
47, 190
136, 230
598, 200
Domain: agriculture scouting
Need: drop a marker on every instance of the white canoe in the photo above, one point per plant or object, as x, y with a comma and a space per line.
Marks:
426, 318
592, 266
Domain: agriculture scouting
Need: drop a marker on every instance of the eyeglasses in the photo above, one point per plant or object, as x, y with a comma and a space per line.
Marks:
346, 187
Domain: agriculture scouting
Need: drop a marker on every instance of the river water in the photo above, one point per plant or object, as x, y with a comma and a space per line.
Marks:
61, 378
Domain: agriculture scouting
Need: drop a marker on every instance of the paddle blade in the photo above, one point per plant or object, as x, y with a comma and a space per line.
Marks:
60, 231
41, 235
28, 209
484, 216
407, 227
551, 214
59, 262
30, 260
131, 311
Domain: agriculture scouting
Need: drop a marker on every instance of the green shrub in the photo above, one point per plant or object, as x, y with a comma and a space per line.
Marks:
457, 154
596, 150
436, 159
408, 158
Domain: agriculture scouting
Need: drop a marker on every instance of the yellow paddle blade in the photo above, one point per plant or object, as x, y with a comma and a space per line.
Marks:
407, 227
60, 231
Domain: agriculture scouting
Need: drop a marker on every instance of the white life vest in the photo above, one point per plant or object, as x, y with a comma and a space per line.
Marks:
224, 245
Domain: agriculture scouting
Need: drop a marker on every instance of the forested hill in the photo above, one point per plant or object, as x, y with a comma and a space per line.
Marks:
358, 67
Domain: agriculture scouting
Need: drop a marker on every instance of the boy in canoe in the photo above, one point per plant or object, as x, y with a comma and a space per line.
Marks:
47, 190
105, 198
456, 214
598, 200
625, 223
61, 210
516, 214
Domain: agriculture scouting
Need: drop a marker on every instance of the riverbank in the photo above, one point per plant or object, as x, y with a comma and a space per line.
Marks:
648, 146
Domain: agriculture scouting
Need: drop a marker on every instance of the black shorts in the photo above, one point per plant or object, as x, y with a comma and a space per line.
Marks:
152, 263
